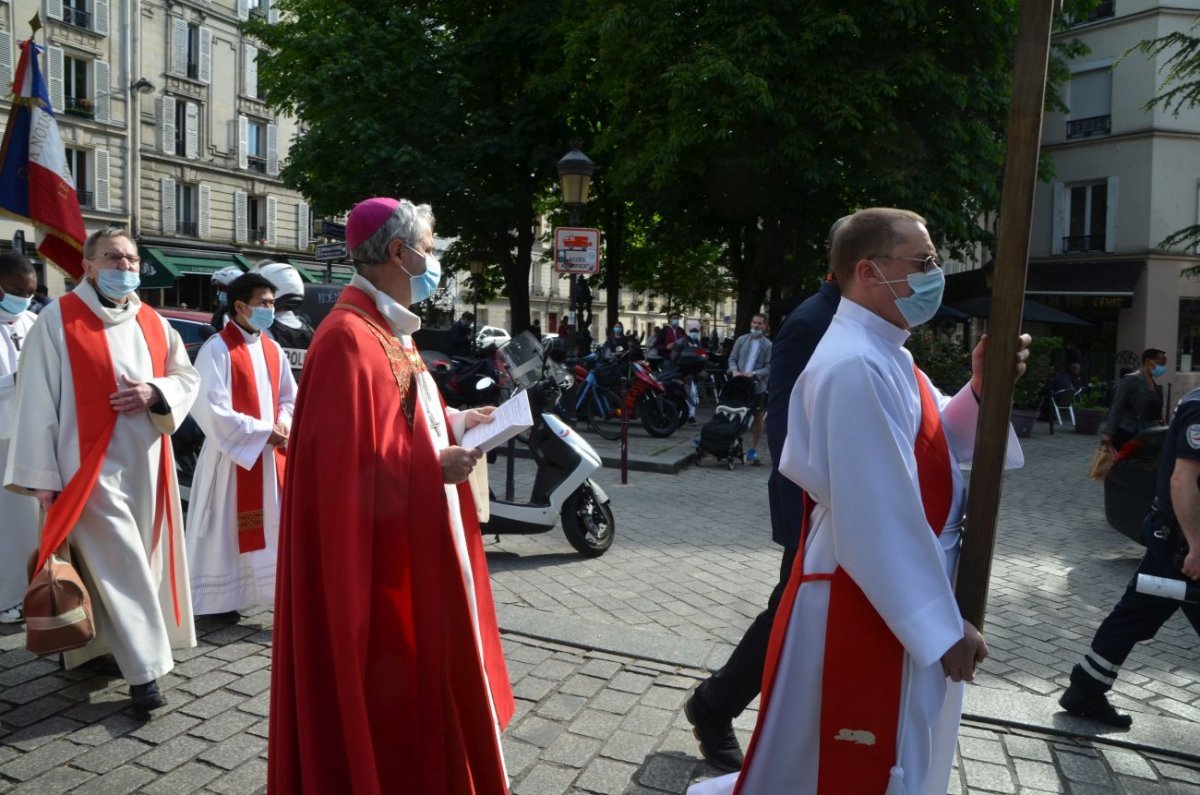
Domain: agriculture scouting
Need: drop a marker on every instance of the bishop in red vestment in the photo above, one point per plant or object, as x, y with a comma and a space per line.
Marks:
388, 675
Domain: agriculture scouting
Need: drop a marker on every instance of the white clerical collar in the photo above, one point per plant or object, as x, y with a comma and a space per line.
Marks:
882, 327
119, 313
399, 318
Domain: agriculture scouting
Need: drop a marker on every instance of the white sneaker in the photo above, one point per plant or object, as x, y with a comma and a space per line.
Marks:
13, 615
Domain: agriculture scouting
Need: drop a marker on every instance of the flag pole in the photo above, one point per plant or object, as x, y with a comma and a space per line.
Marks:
1004, 325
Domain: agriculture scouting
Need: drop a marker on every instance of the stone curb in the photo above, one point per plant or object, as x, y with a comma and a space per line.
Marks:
1149, 733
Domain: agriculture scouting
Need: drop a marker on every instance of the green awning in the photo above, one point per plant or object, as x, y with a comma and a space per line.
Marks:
314, 272
161, 269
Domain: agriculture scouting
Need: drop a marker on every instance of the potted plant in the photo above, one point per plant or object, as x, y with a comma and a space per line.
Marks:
1031, 391
1090, 408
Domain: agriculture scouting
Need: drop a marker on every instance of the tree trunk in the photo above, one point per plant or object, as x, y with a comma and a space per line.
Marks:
614, 243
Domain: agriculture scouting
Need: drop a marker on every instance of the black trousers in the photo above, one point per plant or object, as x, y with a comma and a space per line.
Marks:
731, 689
1136, 617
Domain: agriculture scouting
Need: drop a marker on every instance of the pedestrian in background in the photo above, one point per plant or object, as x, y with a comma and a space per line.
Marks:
751, 358
387, 671
245, 410
667, 336
1137, 403
102, 370
1171, 533
20, 512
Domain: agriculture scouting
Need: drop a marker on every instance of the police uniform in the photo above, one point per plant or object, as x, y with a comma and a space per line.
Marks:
1138, 617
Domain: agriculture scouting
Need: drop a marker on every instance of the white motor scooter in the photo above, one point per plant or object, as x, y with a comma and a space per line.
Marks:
565, 462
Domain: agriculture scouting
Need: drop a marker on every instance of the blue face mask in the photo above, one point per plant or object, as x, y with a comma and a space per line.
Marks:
674, 322
118, 284
756, 332
926, 299
423, 285
261, 317
14, 304
222, 298
1157, 371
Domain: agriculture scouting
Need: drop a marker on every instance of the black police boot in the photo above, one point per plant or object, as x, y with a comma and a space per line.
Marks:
147, 697
718, 743
1095, 706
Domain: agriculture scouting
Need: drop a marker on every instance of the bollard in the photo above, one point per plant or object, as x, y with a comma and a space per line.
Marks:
624, 431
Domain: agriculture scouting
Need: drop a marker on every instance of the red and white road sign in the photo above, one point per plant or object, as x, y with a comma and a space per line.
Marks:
576, 250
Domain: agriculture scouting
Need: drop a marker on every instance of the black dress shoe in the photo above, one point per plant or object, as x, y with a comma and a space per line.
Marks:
1094, 706
147, 696
105, 665
718, 744
230, 617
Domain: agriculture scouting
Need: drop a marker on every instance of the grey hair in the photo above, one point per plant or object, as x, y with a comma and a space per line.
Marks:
107, 233
408, 222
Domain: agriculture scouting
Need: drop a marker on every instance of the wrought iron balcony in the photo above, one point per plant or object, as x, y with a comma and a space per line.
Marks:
187, 228
1105, 10
85, 198
80, 106
1080, 243
77, 17
1093, 125
256, 163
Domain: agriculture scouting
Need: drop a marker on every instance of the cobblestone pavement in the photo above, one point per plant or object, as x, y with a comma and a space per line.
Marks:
692, 562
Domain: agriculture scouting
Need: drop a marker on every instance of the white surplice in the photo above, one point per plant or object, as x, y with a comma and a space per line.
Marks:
113, 544
224, 579
852, 425
441, 422
19, 535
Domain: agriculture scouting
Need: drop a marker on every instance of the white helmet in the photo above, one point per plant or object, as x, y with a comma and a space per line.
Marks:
225, 276
286, 279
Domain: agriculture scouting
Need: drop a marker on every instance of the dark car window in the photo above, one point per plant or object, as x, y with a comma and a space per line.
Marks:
189, 330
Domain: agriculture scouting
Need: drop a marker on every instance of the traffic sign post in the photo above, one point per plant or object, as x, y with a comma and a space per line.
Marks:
576, 250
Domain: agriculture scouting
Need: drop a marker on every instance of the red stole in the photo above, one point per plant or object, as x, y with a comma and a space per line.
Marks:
244, 389
93, 376
863, 660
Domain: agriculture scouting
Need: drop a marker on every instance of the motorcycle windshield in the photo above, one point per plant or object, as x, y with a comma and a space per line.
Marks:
522, 358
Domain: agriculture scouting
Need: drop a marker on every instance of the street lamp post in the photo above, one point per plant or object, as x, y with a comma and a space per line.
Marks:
575, 175
475, 263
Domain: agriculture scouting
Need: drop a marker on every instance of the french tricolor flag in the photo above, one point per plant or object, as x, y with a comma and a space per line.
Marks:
35, 183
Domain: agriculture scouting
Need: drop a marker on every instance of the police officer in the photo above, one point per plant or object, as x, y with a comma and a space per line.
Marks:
1172, 535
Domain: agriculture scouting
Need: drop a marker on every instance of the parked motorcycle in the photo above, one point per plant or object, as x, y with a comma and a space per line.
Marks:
565, 461
464, 382
646, 398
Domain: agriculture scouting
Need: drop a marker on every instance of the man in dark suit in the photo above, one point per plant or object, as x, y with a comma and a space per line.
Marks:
722, 697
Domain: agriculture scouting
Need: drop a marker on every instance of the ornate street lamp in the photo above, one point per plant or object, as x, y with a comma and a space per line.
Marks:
475, 263
575, 175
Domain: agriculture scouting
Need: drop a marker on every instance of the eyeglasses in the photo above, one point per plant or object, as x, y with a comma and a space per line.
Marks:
116, 256
928, 264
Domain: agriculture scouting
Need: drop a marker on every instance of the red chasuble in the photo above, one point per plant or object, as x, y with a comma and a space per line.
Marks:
859, 646
243, 388
378, 685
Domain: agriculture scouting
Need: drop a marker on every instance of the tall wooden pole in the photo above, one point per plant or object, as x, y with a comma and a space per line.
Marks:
1012, 251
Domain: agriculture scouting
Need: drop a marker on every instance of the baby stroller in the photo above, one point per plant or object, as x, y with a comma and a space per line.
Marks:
721, 437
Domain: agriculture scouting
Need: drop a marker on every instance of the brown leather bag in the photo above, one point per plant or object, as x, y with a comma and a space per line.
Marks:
58, 608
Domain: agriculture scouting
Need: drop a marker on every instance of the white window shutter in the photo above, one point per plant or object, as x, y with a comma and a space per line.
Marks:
1058, 218
203, 222
103, 195
54, 58
100, 16
272, 150
243, 9
1110, 221
6, 61
241, 211
103, 91
272, 207
166, 124
302, 226
179, 42
272, 12
250, 73
166, 187
206, 55
243, 142
54, 9
192, 132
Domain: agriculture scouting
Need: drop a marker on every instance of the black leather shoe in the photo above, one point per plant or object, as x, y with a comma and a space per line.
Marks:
718, 744
1094, 706
105, 665
147, 696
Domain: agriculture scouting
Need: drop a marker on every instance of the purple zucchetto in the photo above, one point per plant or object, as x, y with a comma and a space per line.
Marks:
366, 218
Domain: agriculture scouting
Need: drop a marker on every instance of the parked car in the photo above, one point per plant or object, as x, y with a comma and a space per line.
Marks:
1129, 487
491, 336
193, 327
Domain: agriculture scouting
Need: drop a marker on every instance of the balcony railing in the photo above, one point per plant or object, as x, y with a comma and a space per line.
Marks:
187, 228
1093, 125
77, 17
259, 235
1105, 10
1079, 243
256, 163
193, 71
85, 198
80, 106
